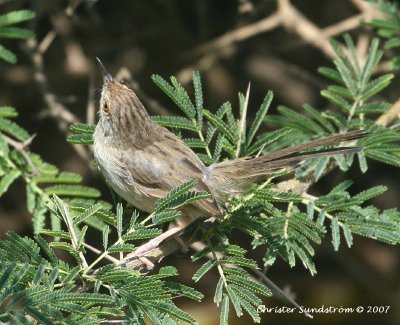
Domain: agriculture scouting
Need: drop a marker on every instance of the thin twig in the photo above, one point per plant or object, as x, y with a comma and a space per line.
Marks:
98, 252
278, 291
21, 147
63, 117
238, 35
391, 115
52, 34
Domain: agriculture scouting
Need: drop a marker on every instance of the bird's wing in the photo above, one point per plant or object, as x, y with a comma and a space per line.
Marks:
164, 165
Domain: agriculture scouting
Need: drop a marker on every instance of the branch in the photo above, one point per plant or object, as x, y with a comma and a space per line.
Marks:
63, 117
391, 115
288, 16
21, 147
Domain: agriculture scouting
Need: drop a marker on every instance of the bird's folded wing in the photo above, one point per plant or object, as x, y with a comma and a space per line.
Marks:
160, 168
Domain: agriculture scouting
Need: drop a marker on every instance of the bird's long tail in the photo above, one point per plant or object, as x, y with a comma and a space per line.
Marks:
244, 171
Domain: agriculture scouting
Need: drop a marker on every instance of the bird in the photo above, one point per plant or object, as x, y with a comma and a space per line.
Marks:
143, 161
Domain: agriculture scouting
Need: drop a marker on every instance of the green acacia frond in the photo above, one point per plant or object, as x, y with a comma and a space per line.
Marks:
8, 111
73, 190
86, 139
16, 32
260, 115
176, 122
13, 129
15, 17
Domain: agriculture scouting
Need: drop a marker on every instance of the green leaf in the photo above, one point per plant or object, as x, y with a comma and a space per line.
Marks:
219, 291
119, 219
374, 55
341, 91
121, 248
224, 316
171, 309
349, 68
7, 55
86, 139
239, 261
321, 167
15, 17
106, 232
176, 93
259, 117
353, 53
175, 122
6, 275
195, 143
373, 108
347, 235
370, 193
376, 86
382, 156
198, 94
13, 129
319, 118
342, 186
8, 111
142, 234
221, 126
331, 74
249, 284
335, 233
347, 76
235, 300
87, 213
47, 250
302, 121
16, 32
338, 100
73, 190
207, 266
165, 216
184, 101
362, 161
55, 233
7, 180
182, 290
163, 203
200, 254
63, 177
82, 128
187, 198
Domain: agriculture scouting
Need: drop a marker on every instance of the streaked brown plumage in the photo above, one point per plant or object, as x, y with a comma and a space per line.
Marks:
142, 161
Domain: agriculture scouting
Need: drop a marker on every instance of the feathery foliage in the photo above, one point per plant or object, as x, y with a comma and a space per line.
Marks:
388, 28
7, 30
41, 179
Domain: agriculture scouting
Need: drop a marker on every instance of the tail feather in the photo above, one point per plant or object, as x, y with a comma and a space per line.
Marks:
235, 176
281, 153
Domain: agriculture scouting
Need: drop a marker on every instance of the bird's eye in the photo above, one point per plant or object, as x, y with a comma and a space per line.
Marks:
105, 108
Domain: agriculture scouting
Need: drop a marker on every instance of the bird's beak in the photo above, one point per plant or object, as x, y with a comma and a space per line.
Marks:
106, 76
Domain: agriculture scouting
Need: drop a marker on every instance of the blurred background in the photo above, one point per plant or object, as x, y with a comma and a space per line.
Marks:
275, 45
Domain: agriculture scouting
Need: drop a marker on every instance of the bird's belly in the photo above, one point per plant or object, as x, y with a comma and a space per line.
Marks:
129, 192
110, 166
